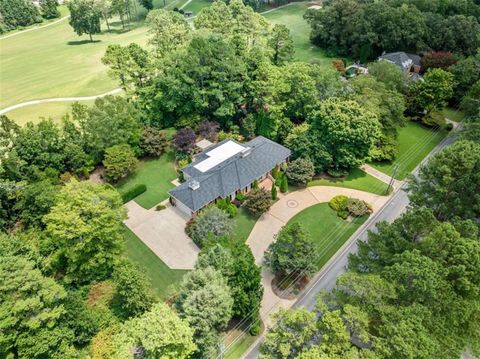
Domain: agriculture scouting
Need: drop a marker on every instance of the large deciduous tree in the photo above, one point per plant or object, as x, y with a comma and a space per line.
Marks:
159, 333
300, 171
205, 302
153, 141
84, 17
31, 311
83, 236
282, 44
346, 131
449, 184
168, 30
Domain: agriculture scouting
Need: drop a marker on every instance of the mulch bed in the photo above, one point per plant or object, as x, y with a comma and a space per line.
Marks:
285, 289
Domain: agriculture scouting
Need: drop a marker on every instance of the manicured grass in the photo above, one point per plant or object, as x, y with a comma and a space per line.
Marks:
33, 113
157, 175
164, 280
240, 346
453, 114
328, 231
415, 142
356, 179
292, 17
56, 62
244, 223
196, 5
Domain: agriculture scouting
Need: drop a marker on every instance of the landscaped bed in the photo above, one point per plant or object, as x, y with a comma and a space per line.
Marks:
415, 142
356, 179
163, 279
157, 174
328, 231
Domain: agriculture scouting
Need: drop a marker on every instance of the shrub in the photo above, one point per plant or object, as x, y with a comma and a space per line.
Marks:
119, 162
210, 222
434, 119
357, 207
209, 130
133, 192
343, 214
300, 171
225, 205
274, 192
338, 203
279, 179
336, 173
284, 185
258, 201
240, 197
255, 184
275, 172
160, 207
339, 65
449, 126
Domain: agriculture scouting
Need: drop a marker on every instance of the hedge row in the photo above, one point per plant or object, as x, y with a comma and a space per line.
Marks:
133, 192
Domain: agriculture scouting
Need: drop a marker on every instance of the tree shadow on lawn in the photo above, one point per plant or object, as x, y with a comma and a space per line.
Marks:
83, 42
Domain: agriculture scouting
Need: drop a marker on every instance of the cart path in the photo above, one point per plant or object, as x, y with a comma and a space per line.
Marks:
35, 28
59, 99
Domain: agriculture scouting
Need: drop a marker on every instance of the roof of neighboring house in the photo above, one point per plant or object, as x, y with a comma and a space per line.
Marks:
204, 144
227, 167
401, 59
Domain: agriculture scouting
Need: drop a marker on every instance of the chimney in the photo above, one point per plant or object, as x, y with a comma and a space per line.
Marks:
194, 185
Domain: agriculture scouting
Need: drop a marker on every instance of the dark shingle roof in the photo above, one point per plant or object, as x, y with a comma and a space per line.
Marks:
401, 59
230, 175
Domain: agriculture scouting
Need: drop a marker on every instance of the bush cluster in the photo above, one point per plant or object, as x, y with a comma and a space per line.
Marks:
346, 206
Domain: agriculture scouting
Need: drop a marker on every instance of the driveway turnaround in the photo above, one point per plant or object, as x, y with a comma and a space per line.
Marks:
280, 213
163, 232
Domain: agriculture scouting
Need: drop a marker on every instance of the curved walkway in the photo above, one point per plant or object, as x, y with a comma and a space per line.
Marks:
281, 212
35, 28
59, 99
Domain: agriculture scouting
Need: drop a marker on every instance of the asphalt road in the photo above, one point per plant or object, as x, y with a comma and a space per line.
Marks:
327, 277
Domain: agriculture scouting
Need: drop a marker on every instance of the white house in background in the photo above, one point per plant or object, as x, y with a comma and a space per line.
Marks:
225, 169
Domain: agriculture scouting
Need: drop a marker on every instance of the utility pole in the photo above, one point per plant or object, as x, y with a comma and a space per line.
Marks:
392, 179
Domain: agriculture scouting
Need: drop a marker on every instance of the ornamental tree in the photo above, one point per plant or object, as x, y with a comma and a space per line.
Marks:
258, 201
119, 162
292, 252
212, 222
209, 130
438, 60
153, 141
300, 171
184, 140
84, 235
159, 333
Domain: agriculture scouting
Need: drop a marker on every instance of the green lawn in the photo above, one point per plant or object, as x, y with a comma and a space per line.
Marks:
357, 179
164, 280
415, 143
196, 5
55, 62
292, 17
157, 175
328, 231
453, 114
244, 223
33, 113
238, 348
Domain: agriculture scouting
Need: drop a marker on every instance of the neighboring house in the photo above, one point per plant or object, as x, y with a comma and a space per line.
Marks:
408, 63
225, 169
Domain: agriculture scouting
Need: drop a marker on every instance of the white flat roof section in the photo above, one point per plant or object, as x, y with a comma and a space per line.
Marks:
218, 155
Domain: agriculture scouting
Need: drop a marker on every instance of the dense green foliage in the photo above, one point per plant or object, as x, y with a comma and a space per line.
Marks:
212, 222
364, 29
258, 201
300, 171
84, 17
119, 161
133, 192
291, 253
17, 13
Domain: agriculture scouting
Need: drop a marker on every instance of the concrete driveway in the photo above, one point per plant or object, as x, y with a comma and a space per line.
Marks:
280, 213
163, 232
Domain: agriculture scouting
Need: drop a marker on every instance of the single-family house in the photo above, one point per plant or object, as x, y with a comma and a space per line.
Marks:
408, 63
225, 169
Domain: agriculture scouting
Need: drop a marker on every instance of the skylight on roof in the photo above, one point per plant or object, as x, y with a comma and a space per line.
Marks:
218, 155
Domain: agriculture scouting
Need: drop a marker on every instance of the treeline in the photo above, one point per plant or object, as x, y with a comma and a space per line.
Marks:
364, 29
412, 290
20, 13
